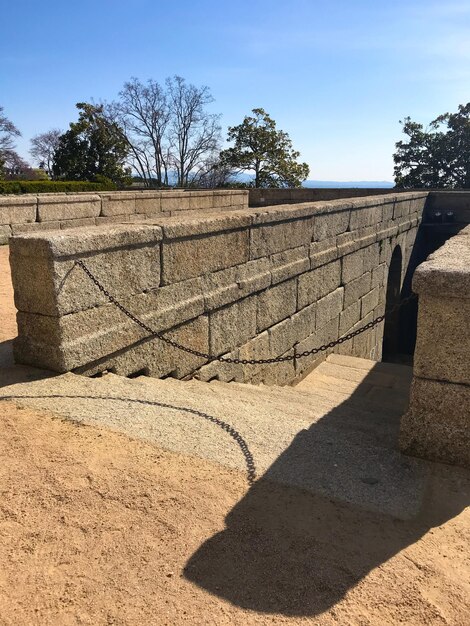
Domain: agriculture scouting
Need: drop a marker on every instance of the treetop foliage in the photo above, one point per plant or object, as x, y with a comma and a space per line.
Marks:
435, 157
92, 150
260, 147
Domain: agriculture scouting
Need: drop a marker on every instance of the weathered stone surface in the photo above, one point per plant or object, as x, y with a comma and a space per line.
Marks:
19, 229
364, 345
445, 273
253, 276
332, 224
379, 275
276, 303
283, 336
187, 258
125, 259
290, 263
322, 252
368, 216
75, 340
155, 358
232, 326
353, 266
17, 209
219, 288
370, 256
205, 201
369, 301
175, 201
284, 213
119, 203
257, 278
5, 234
277, 237
256, 348
317, 283
349, 317
320, 337
443, 341
148, 202
304, 322
85, 221
114, 219
192, 225
56, 207
437, 424
329, 307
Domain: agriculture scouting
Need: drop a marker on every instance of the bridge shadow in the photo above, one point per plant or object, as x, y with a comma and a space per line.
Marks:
340, 501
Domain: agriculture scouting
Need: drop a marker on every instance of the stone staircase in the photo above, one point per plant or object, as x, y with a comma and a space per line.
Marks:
334, 433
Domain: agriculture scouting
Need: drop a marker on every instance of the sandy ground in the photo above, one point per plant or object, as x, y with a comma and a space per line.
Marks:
7, 309
99, 528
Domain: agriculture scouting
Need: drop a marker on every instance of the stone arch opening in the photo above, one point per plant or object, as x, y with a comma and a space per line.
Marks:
391, 338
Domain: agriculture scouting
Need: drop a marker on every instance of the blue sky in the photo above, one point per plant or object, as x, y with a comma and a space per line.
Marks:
337, 75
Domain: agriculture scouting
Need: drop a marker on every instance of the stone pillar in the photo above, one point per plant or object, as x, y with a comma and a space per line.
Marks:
437, 423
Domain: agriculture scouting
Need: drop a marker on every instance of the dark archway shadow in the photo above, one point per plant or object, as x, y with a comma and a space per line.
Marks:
296, 552
391, 337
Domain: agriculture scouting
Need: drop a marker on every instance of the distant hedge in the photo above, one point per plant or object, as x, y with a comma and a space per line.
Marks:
51, 186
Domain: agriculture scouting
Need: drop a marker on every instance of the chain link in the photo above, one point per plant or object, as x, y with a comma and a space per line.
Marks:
234, 361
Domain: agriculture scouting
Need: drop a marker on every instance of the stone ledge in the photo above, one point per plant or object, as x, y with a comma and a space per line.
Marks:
93, 239
446, 273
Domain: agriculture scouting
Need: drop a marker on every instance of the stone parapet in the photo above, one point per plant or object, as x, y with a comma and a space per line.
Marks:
53, 211
252, 283
437, 424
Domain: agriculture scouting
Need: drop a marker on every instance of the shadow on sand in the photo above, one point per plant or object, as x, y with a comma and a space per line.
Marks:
297, 551
11, 374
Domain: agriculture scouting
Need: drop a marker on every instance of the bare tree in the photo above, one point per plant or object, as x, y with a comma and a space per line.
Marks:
16, 168
167, 129
194, 133
43, 147
8, 132
143, 114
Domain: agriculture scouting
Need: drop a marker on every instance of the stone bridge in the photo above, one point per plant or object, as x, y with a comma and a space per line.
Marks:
250, 283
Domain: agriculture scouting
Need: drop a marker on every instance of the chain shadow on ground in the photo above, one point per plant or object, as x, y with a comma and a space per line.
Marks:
297, 551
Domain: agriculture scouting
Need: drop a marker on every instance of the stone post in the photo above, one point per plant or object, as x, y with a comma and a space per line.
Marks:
437, 423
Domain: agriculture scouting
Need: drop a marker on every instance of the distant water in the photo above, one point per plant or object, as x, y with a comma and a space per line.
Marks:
329, 184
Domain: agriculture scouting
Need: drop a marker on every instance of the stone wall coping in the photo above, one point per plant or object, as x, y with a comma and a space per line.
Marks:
186, 226
446, 273
78, 241
71, 198
217, 221
17, 200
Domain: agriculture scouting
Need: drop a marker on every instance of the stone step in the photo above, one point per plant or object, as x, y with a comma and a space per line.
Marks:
344, 452
379, 423
396, 369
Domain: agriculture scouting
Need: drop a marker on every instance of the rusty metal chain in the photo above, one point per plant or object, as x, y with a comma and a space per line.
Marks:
234, 361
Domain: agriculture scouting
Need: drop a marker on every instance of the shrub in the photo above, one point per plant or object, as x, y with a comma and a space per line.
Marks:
52, 186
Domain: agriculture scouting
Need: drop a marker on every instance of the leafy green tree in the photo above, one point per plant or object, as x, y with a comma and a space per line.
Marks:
435, 157
92, 150
260, 148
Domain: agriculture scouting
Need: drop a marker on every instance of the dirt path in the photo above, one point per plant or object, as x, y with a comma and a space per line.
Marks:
97, 528
7, 308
